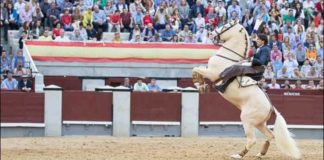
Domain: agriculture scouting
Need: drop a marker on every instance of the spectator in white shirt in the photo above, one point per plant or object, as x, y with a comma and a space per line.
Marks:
221, 11
290, 63
312, 73
286, 85
283, 73
201, 34
19, 5
297, 74
140, 86
311, 85
318, 64
26, 14
306, 67
62, 37
209, 38
308, 4
284, 11
268, 73
200, 21
274, 84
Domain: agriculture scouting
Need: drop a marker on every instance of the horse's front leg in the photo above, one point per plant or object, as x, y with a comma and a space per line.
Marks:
249, 133
199, 81
251, 140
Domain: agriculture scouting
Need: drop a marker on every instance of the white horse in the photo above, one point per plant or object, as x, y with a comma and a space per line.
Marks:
254, 104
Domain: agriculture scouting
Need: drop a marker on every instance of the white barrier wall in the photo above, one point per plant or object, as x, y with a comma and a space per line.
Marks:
121, 110
92, 84
53, 110
121, 113
190, 113
39, 82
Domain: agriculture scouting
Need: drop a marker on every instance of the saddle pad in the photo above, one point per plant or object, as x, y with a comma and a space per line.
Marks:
246, 81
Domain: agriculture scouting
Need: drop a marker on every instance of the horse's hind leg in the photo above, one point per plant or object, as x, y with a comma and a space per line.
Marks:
269, 135
251, 140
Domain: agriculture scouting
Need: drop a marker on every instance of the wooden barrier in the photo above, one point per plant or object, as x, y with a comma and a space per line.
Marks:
213, 107
303, 110
148, 106
18, 107
87, 106
22, 107
67, 82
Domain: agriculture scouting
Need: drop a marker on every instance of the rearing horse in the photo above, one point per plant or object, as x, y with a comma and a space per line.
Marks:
254, 104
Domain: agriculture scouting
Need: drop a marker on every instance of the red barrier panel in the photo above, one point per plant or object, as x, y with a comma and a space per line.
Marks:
306, 109
67, 83
185, 82
87, 106
213, 107
22, 107
277, 101
148, 106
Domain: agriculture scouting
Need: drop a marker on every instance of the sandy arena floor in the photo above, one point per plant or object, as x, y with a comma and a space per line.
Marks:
110, 148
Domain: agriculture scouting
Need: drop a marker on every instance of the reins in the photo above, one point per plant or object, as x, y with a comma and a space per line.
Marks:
232, 51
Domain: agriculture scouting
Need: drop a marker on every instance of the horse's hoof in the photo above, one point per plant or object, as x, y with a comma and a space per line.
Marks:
259, 156
236, 156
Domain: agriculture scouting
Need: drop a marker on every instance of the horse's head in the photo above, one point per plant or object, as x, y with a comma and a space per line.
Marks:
228, 31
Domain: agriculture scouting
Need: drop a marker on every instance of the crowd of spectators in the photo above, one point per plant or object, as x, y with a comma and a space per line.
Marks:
140, 86
294, 27
288, 85
13, 67
291, 22
11, 83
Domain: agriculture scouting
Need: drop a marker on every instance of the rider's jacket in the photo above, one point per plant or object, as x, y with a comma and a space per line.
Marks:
262, 56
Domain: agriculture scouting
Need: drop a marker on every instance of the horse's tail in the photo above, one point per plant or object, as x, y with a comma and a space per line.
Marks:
283, 137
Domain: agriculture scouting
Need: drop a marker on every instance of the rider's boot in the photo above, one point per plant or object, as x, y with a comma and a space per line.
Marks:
222, 87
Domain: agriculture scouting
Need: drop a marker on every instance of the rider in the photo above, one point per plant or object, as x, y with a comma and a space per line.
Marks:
253, 69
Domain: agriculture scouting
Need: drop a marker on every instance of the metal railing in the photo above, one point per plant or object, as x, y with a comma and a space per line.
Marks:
29, 59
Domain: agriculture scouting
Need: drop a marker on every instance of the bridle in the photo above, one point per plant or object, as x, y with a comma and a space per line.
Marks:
223, 30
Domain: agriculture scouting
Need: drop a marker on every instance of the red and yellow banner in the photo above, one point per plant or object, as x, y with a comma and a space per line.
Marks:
119, 52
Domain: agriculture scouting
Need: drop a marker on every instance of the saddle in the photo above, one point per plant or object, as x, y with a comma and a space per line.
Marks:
249, 79
246, 81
